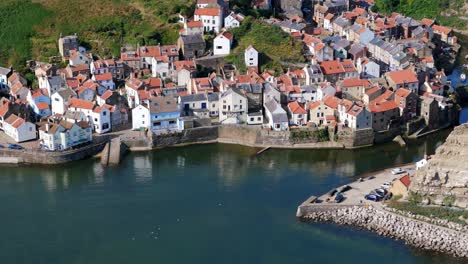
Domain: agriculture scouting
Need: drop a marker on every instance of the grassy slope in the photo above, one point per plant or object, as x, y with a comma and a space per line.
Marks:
447, 12
101, 25
16, 29
271, 42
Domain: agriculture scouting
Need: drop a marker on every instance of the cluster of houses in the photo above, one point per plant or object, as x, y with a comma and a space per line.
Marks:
363, 71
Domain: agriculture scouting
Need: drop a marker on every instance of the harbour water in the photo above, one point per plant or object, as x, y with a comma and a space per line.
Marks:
199, 204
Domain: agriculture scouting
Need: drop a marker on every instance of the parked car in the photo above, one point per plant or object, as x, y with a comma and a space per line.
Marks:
15, 146
344, 188
371, 197
374, 192
398, 171
1, 146
371, 177
332, 192
381, 191
339, 197
386, 185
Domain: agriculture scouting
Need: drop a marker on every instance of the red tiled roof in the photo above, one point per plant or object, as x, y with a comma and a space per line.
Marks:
382, 106
402, 92
313, 105
194, 24
79, 103
427, 22
106, 95
329, 16
15, 121
296, 108
406, 180
332, 101
42, 105
207, 11
353, 82
442, 29
403, 76
103, 77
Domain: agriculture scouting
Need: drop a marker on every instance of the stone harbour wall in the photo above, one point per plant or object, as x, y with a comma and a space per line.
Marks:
419, 234
47, 157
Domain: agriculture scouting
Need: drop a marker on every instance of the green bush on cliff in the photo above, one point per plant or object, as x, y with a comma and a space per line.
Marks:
273, 44
448, 200
445, 213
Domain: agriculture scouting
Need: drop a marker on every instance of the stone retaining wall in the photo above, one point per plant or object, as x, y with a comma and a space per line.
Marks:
48, 158
416, 233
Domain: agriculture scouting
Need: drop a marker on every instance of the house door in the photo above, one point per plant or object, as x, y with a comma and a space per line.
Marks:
203, 105
186, 107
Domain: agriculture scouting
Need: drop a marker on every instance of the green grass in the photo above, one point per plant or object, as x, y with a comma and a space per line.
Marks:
274, 45
18, 19
419, 9
444, 213
30, 29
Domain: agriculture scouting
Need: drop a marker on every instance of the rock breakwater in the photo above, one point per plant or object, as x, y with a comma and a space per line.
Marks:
416, 233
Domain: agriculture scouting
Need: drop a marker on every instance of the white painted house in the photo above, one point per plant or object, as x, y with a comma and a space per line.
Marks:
222, 44
160, 67
64, 135
98, 116
276, 115
354, 116
232, 107
233, 20
51, 84
59, 100
19, 129
297, 113
212, 18
251, 57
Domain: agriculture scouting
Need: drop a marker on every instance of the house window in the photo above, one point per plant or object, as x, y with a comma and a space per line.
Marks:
157, 124
104, 113
105, 126
95, 119
172, 122
219, 47
259, 118
251, 119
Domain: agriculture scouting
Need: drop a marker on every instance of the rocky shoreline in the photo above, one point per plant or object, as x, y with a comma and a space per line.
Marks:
419, 234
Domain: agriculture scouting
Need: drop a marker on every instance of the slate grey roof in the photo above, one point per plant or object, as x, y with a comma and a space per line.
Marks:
193, 98
4, 71
66, 93
342, 22
163, 104
272, 106
192, 39
356, 48
213, 97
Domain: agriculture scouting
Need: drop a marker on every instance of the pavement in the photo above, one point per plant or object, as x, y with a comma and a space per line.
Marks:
355, 196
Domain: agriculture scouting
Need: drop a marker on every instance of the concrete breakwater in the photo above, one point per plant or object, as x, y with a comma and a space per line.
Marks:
419, 234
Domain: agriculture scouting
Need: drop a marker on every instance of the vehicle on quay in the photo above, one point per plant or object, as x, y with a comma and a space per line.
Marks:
372, 197
386, 185
339, 197
397, 171
370, 177
344, 188
15, 146
1, 146
378, 194
332, 192
381, 191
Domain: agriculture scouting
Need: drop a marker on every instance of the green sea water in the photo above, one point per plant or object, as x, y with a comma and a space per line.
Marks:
199, 204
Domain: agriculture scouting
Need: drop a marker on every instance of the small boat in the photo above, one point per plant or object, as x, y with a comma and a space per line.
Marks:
462, 77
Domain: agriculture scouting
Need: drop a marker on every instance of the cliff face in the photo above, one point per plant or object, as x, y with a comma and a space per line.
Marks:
446, 174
